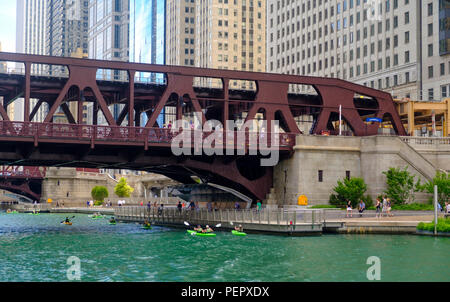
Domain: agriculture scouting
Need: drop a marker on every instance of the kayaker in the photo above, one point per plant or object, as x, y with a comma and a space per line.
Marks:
146, 224
67, 220
239, 228
112, 220
208, 229
198, 229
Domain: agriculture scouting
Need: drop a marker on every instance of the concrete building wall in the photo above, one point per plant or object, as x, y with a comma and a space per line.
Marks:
340, 157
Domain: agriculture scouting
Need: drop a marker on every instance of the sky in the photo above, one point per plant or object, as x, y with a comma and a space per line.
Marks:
8, 25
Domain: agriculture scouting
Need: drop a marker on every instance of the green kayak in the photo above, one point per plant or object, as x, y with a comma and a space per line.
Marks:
112, 223
195, 233
237, 233
147, 227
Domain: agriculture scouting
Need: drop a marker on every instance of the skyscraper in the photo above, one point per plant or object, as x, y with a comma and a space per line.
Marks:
231, 34
399, 46
31, 20
147, 40
109, 40
66, 27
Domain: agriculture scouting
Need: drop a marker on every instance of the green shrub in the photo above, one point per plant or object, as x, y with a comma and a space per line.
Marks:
324, 206
352, 189
413, 207
122, 189
99, 193
98, 202
443, 226
442, 180
400, 185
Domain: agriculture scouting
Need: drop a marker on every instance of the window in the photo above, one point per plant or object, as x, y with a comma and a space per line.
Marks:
444, 91
347, 175
407, 18
442, 69
430, 9
430, 94
430, 29
320, 172
430, 72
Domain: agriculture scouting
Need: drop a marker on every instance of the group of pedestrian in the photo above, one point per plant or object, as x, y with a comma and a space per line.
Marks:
381, 207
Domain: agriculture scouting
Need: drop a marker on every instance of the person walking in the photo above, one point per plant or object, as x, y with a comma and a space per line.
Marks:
378, 208
258, 205
385, 206
179, 206
389, 207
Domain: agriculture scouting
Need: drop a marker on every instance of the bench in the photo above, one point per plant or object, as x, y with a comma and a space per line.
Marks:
446, 215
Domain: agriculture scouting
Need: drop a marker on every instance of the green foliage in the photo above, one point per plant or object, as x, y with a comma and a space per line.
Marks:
122, 189
99, 193
400, 185
442, 180
98, 202
413, 207
352, 189
324, 206
443, 225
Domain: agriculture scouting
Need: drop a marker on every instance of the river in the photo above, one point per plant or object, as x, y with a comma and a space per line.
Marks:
36, 248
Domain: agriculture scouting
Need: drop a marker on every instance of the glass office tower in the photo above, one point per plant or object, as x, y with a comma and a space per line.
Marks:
147, 39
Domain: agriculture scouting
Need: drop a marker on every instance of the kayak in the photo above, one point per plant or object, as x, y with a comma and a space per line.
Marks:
67, 223
147, 227
195, 233
34, 213
13, 212
237, 233
97, 217
112, 223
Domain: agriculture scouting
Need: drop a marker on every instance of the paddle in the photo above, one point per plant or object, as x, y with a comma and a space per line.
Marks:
217, 225
69, 218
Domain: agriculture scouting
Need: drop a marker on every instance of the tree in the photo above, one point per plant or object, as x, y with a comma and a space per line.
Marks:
352, 190
400, 185
442, 180
122, 189
99, 193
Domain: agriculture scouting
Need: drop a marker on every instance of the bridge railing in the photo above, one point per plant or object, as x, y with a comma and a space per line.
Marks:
419, 140
238, 139
225, 217
22, 172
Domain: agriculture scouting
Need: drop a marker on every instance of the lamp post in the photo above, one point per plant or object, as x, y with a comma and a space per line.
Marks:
435, 208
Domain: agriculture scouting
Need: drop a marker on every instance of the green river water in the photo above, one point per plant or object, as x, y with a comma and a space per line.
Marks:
36, 248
